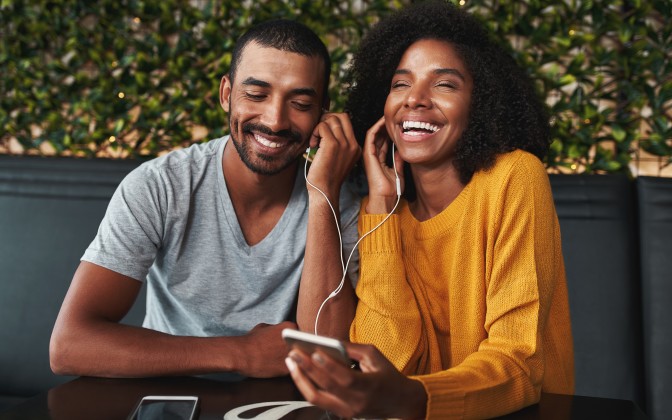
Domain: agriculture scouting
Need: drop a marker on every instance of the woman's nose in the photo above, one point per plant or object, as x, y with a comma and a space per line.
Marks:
418, 96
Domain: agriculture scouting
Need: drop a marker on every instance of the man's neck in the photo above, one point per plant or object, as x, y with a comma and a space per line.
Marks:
248, 188
258, 200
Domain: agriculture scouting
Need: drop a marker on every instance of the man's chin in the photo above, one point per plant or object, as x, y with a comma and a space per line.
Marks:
262, 164
266, 167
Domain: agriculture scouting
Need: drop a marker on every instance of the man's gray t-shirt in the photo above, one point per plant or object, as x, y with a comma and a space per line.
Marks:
171, 222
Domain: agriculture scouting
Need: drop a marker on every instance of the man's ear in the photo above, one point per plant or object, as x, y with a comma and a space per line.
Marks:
225, 93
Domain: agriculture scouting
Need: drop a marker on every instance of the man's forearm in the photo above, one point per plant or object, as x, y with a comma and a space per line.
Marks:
322, 273
113, 350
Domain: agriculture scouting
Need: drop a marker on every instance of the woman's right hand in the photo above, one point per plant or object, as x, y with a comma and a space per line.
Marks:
378, 391
381, 177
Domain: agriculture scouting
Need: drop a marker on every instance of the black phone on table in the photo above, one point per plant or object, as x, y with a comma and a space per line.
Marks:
155, 407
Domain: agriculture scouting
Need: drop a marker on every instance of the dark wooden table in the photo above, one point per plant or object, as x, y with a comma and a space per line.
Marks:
98, 398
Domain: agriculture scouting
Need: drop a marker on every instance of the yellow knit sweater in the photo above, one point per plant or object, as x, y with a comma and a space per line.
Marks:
473, 301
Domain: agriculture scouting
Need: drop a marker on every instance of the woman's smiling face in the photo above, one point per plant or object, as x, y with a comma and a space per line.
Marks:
427, 109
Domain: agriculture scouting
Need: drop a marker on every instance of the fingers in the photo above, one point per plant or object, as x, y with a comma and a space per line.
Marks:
325, 372
337, 154
381, 177
377, 135
375, 146
338, 128
381, 392
314, 395
322, 381
334, 127
369, 357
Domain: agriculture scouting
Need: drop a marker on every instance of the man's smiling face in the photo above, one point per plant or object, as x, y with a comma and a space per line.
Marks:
273, 105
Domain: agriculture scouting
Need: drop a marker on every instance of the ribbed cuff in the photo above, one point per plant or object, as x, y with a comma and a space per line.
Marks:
385, 238
443, 402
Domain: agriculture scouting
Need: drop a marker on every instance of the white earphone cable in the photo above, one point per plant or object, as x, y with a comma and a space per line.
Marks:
338, 226
340, 238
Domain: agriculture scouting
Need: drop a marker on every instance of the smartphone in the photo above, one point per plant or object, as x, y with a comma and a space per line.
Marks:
155, 407
310, 342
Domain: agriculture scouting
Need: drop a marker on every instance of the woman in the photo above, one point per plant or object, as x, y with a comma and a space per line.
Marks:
462, 293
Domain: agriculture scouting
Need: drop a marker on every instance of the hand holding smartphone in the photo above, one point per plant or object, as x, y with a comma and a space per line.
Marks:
308, 343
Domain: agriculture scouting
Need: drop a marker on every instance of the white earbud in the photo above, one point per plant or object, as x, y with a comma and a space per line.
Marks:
396, 174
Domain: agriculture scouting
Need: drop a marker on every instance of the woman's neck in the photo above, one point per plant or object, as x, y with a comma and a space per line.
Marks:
435, 190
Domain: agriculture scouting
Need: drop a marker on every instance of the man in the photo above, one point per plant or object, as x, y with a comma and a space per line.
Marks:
219, 231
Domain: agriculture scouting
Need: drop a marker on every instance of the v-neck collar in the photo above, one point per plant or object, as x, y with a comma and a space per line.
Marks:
232, 220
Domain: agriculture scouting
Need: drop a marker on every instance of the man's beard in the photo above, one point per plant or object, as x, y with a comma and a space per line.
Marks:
245, 151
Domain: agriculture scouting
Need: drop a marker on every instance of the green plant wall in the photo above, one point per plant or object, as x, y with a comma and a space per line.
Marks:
132, 78
605, 69
138, 77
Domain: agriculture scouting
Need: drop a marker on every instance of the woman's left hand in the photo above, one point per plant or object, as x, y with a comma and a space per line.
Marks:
379, 390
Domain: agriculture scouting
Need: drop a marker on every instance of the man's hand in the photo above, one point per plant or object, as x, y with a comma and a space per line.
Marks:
337, 154
379, 390
264, 351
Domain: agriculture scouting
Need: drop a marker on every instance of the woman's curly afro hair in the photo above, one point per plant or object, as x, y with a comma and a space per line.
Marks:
505, 114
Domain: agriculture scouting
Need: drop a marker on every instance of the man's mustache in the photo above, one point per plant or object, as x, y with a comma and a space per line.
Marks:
292, 136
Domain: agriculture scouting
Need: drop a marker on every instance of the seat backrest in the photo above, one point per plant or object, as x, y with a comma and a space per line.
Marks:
50, 209
655, 232
599, 242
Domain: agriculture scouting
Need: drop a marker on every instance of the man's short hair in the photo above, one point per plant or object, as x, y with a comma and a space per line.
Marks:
284, 35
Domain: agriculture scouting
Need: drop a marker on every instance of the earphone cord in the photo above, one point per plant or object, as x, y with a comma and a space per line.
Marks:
340, 238
338, 227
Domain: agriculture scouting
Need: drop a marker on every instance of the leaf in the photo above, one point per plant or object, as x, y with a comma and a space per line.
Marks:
567, 79
618, 132
118, 126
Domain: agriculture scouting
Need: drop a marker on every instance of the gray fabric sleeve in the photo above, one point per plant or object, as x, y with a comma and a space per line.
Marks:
349, 205
132, 230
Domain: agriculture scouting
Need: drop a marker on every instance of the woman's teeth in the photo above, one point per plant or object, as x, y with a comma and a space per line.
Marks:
409, 125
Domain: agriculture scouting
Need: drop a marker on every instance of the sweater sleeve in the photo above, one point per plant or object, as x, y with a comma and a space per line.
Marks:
386, 301
506, 372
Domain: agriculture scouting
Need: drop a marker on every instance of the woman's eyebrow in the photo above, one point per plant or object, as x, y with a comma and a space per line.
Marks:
450, 71
442, 70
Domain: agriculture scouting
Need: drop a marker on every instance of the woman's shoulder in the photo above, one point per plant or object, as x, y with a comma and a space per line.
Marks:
518, 157
517, 169
517, 163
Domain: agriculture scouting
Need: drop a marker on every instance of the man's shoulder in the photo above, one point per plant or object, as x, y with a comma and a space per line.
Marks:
177, 164
189, 157
174, 170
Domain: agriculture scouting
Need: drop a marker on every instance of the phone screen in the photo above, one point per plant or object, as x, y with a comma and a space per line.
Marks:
151, 408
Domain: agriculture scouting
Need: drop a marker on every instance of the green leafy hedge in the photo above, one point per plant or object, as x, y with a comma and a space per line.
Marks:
605, 69
131, 78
